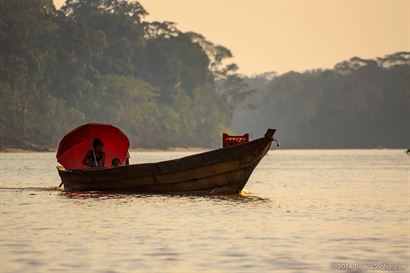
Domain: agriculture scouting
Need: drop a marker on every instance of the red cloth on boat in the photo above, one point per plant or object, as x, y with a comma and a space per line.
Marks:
75, 145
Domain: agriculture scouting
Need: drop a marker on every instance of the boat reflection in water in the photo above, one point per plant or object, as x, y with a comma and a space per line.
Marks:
242, 197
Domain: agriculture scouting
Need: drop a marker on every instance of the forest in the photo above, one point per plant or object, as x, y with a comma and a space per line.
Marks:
101, 61
360, 103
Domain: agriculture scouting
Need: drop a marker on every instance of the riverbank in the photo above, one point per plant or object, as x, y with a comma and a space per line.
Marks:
171, 149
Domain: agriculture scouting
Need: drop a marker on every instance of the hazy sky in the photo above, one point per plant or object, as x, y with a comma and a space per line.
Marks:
278, 35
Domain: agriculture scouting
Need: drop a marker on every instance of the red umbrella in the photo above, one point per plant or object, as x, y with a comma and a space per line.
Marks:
75, 145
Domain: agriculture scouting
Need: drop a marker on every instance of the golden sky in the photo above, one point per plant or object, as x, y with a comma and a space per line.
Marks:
279, 35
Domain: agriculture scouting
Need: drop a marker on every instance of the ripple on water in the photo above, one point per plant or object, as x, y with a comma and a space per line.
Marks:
303, 211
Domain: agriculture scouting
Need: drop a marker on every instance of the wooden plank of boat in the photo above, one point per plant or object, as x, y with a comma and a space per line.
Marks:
224, 170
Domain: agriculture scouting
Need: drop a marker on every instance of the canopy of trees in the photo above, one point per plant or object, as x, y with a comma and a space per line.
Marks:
100, 61
358, 104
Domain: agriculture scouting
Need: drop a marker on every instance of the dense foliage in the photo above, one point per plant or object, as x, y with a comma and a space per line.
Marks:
99, 61
360, 103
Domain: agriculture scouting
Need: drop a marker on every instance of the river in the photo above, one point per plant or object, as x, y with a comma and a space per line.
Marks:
301, 211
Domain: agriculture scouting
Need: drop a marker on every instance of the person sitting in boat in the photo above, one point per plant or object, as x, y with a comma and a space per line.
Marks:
115, 162
96, 156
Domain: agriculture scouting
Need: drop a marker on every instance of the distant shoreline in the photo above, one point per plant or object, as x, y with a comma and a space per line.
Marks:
171, 149
188, 149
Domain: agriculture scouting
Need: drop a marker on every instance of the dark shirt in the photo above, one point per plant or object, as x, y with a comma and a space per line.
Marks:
97, 161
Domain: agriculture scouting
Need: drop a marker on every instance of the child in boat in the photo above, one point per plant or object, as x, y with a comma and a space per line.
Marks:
115, 162
96, 156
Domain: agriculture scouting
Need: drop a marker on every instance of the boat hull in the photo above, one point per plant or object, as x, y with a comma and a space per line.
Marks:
219, 171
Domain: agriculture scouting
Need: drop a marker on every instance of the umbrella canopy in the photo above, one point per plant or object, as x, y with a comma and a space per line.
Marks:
75, 145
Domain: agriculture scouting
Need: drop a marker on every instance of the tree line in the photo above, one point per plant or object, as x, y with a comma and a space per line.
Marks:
99, 61
360, 103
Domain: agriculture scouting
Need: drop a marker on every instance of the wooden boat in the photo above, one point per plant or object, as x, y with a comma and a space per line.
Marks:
221, 171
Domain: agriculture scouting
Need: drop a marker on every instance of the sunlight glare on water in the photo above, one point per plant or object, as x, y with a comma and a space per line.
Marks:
302, 211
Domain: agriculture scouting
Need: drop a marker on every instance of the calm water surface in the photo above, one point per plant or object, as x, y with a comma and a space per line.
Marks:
304, 212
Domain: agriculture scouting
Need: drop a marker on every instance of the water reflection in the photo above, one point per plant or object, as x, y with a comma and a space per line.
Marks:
322, 207
243, 197
94, 195
31, 189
